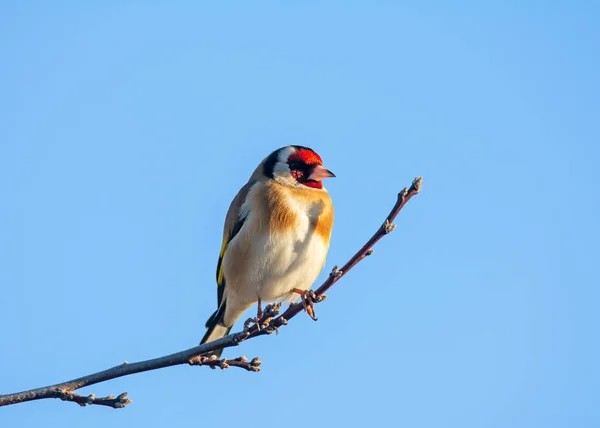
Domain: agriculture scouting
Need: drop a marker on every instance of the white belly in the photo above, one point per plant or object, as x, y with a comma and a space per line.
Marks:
295, 263
278, 263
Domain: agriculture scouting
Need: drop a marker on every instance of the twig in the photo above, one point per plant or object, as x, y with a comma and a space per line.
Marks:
110, 401
267, 324
213, 362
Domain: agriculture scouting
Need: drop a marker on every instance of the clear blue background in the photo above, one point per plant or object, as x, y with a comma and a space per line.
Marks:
127, 127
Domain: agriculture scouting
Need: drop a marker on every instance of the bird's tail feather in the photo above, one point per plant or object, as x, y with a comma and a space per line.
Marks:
216, 329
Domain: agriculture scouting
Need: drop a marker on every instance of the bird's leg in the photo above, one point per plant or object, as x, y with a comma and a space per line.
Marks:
309, 298
259, 310
256, 321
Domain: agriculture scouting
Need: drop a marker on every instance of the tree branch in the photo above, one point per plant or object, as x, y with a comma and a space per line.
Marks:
270, 322
65, 390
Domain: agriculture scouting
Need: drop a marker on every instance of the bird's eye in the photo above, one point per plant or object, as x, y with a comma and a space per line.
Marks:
295, 165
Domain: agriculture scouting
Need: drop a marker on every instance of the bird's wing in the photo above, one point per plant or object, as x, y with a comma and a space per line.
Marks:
233, 224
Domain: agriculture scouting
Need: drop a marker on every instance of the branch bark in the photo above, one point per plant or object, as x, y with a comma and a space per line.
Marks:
196, 355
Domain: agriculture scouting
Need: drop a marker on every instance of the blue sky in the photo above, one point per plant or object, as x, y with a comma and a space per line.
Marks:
127, 128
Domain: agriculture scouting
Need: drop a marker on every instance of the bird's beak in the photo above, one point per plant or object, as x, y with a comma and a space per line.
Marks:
318, 173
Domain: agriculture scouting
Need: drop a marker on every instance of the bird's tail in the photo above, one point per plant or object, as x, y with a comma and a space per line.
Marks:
216, 329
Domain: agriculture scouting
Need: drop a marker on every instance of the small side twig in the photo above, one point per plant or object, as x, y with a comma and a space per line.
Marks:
110, 401
213, 362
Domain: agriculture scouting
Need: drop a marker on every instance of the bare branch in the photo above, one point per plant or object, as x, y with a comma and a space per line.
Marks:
64, 390
269, 322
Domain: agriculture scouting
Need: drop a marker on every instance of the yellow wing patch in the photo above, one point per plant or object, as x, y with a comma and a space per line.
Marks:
220, 277
220, 264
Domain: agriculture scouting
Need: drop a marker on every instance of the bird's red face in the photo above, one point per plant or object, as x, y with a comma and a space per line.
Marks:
306, 167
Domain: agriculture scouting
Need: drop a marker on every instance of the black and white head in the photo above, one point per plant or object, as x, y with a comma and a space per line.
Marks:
296, 166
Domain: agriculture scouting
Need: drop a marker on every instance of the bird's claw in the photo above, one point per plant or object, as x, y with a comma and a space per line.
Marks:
309, 298
250, 322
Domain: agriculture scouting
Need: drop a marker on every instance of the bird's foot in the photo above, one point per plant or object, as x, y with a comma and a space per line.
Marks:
263, 318
269, 314
251, 322
309, 298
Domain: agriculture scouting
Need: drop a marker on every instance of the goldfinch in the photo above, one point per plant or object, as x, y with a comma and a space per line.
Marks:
276, 236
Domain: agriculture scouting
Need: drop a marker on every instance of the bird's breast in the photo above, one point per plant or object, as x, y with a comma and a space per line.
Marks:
292, 259
280, 247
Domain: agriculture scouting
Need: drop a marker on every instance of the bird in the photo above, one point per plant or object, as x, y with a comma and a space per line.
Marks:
275, 238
